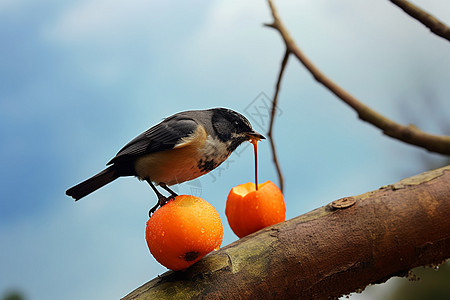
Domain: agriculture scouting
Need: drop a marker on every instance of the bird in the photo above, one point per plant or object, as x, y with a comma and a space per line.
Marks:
180, 148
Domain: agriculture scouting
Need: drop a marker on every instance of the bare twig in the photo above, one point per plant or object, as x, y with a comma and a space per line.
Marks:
435, 25
408, 134
272, 118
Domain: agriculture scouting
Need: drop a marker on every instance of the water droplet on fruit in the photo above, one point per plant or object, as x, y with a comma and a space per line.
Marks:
162, 233
202, 230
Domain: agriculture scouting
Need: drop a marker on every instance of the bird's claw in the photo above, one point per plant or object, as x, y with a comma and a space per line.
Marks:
161, 202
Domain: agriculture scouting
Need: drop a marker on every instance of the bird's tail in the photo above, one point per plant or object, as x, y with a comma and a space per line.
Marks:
92, 184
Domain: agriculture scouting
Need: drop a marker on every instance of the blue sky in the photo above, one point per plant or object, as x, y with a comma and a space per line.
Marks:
79, 79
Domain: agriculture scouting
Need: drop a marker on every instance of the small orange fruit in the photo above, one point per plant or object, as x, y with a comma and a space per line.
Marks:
183, 231
249, 210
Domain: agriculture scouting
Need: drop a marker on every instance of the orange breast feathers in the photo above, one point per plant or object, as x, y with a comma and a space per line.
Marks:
175, 165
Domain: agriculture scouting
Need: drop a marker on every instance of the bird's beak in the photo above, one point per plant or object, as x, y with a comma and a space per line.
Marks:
253, 135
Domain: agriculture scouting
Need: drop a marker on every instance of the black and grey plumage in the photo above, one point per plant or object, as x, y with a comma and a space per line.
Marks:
182, 147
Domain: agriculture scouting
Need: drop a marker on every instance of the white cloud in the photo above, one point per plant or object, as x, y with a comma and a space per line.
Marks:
91, 19
8, 5
227, 24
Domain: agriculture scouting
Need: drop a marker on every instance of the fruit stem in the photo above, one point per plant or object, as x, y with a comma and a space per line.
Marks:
256, 162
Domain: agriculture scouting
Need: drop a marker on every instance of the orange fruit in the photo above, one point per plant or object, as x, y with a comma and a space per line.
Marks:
183, 231
249, 210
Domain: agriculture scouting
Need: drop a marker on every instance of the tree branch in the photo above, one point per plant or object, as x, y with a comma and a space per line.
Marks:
408, 134
436, 26
328, 252
272, 119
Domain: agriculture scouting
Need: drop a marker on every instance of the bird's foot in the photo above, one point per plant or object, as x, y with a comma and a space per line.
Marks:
162, 200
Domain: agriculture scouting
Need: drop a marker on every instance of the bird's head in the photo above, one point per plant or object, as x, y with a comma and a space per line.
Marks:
232, 127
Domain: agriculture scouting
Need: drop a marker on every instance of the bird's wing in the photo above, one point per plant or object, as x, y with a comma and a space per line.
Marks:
163, 136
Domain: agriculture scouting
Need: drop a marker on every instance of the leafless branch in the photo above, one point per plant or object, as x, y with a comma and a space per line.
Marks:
272, 119
408, 134
436, 26
368, 239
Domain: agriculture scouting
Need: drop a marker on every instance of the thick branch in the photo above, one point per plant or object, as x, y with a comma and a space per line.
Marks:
436, 26
328, 252
408, 134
